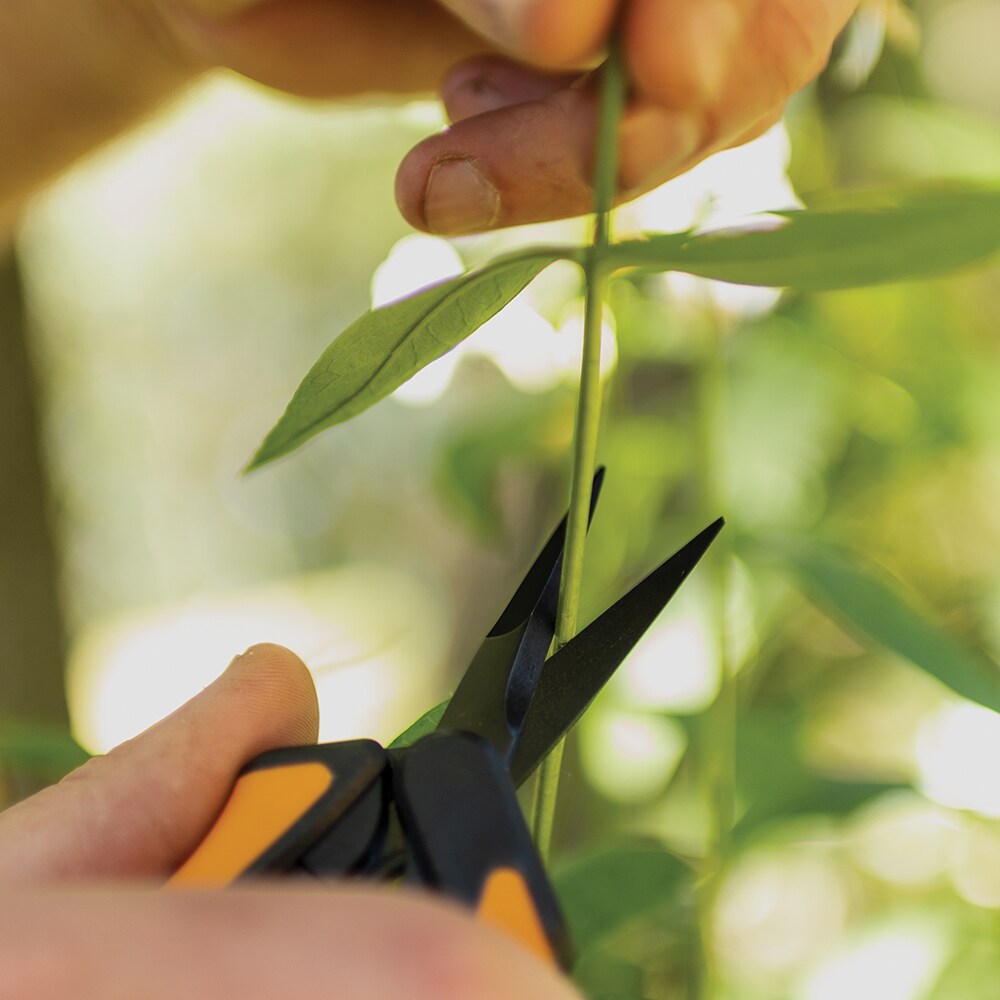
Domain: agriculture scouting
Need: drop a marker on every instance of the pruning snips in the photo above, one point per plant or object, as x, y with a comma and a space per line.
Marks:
442, 813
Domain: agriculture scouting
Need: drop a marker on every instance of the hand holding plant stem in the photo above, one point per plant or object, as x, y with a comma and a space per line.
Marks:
509, 73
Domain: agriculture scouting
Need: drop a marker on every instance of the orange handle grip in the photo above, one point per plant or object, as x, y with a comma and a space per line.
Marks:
506, 905
263, 805
284, 802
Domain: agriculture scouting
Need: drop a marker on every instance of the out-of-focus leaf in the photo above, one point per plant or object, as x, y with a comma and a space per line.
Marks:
385, 347
972, 966
427, 723
916, 138
612, 996
532, 432
775, 782
604, 892
601, 975
870, 606
911, 234
45, 751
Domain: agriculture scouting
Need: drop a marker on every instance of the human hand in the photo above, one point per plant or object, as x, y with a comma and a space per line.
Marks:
76, 920
705, 75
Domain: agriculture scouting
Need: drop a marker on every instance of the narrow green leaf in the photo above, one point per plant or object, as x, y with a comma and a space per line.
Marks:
777, 784
46, 751
385, 347
896, 136
427, 723
604, 892
859, 240
869, 605
774, 781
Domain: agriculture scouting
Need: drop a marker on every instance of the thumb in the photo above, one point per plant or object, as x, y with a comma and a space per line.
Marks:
141, 809
257, 944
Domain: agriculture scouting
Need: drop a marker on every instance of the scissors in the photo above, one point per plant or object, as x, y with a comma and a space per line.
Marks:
443, 813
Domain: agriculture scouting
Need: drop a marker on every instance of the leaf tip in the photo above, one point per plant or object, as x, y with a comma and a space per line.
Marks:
265, 454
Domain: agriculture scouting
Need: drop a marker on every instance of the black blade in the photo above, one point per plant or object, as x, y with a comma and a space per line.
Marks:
535, 580
574, 675
537, 637
507, 657
477, 706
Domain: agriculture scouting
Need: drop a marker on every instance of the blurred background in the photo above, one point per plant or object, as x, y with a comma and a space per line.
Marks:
173, 290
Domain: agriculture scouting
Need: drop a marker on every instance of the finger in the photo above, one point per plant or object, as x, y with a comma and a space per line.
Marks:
512, 165
486, 83
331, 48
657, 144
257, 944
557, 34
729, 61
141, 809
733, 65
532, 161
759, 127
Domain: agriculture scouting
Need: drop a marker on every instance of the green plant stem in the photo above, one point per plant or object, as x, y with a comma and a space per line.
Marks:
588, 412
717, 736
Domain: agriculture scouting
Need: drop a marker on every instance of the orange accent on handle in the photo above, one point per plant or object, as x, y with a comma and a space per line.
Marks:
262, 807
506, 904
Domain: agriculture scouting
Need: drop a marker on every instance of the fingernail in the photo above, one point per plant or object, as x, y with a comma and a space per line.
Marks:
655, 145
459, 199
709, 33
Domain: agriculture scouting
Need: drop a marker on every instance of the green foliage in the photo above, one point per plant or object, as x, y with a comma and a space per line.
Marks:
911, 234
473, 457
604, 893
864, 240
913, 137
45, 752
602, 975
387, 346
872, 608
777, 784
423, 726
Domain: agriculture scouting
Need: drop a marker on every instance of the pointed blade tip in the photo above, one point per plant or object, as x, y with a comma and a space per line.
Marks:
684, 560
698, 545
660, 586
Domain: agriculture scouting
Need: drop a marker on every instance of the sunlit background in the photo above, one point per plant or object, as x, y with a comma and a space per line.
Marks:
182, 282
